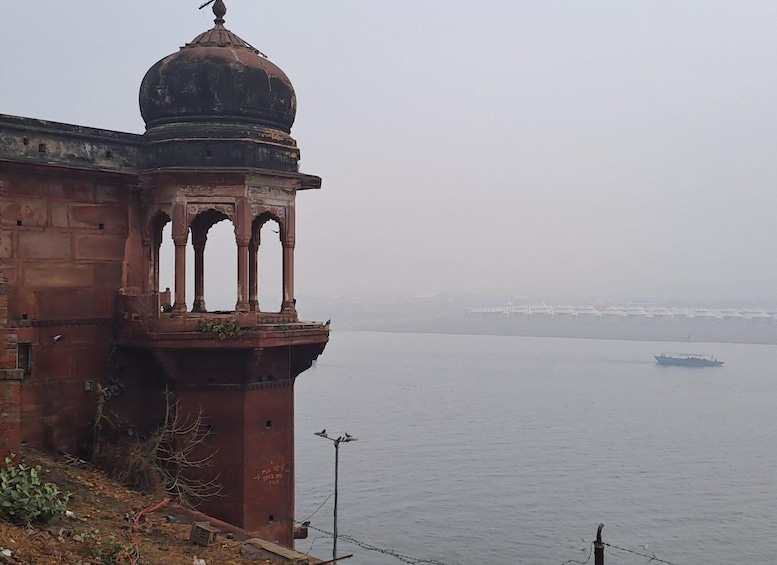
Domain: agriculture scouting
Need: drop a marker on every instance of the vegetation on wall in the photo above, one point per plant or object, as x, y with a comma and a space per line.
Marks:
224, 329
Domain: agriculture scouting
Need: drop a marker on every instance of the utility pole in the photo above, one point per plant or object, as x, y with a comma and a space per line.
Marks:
336, 441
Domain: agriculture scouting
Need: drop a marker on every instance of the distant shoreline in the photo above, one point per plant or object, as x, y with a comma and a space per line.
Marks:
674, 330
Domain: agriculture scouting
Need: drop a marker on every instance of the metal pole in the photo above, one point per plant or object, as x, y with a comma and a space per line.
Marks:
599, 547
337, 441
337, 462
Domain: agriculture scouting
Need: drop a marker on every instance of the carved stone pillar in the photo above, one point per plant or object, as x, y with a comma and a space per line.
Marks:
242, 275
288, 305
152, 283
289, 229
199, 239
243, 222
253, 284
180, 274
180, 239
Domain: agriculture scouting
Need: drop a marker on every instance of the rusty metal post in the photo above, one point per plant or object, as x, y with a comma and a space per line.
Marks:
599, 547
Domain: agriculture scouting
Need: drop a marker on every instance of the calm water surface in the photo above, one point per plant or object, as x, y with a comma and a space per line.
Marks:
504, 450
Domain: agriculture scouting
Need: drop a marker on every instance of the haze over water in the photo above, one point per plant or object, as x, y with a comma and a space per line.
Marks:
503, 450
600, 148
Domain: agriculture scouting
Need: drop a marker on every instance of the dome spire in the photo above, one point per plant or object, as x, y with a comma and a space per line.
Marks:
219, 10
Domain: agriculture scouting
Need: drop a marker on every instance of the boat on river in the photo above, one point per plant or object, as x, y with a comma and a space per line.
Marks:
687, 360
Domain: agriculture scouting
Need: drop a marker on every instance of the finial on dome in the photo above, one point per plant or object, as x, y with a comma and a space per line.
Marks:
219, 10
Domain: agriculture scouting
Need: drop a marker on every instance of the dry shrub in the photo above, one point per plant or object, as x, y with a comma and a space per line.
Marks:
163, 461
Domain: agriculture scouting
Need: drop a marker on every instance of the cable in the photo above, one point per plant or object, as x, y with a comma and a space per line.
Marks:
313, 542
389, 552
317, 509
416, 561
590, 552
652, 558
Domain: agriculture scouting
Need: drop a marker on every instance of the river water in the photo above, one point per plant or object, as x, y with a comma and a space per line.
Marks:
505, 450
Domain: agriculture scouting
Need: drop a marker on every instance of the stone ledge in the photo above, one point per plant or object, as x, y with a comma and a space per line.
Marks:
11, 374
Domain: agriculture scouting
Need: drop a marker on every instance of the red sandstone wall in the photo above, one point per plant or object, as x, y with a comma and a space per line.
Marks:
222, 412
269, 474
9, 418
62, 241
59, 261
56, 407
253, 439
252, 430
10, 386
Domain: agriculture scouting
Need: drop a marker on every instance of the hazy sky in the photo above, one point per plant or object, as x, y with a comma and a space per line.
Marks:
497, 146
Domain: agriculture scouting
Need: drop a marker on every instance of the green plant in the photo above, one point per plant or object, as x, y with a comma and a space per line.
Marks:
224, 329
24, 499
110, 551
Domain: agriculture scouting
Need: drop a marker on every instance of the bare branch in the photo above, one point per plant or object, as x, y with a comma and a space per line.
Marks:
166, 459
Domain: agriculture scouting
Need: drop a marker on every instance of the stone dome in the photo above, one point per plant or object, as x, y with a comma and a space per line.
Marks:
217, 78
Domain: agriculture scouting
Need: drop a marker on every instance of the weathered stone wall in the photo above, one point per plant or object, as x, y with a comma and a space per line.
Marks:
33, 141
63, 240
62, 246
10, 385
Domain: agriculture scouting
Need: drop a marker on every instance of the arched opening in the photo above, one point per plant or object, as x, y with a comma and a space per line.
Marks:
211, 262
161, 272
165, 268
268, 267
221, 267
215, 262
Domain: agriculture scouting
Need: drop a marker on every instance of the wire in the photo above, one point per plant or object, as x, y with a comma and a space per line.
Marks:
590, 552
313, 542
389, 552
652, 558
317, 509
416, 561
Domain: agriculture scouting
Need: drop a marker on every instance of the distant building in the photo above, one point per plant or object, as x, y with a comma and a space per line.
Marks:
83, 212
